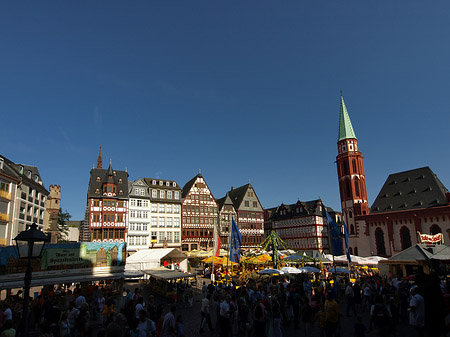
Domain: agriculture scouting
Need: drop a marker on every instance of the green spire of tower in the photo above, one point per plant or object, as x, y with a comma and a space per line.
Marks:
345, 125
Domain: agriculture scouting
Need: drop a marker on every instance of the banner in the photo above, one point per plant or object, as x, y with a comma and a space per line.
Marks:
431, 239
346, 242
217, 243
335, 236
235, 242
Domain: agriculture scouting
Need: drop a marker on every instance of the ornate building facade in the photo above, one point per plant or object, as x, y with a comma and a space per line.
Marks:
249, 215
303, 225
107, 204
199, 215
226, 213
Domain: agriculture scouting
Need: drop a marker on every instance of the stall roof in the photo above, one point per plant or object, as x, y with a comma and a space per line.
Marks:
156, 254
422, 252
166, 274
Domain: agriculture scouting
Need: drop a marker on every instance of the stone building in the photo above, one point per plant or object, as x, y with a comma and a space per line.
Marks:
22, 199
52, 210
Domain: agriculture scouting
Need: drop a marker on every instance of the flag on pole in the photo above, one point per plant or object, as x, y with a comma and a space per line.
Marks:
217, 243
346, 243
235, 242
335, 236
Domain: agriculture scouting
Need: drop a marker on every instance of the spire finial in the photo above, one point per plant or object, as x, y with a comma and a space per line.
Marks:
341, 93
99, 159
199, 171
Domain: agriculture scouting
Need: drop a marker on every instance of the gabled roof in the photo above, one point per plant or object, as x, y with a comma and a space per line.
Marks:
413, 189
226, 200
8, 169
238, 194
306, 208
187, 187
422, 252
345, 125
149, 182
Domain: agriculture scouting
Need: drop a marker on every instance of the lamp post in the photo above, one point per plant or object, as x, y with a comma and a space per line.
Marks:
30, 244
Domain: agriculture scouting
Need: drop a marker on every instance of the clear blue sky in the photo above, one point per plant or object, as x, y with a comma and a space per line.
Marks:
239, 89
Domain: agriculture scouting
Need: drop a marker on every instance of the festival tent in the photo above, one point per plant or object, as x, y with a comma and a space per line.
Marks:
418, 256
270, 271
145, 259
291, 270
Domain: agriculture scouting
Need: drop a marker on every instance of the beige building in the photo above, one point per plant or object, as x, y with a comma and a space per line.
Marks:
51, 214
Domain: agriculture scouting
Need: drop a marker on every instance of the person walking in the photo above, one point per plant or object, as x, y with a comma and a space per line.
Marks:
350, 299
205, 314
417, 311
331, 316
168, 325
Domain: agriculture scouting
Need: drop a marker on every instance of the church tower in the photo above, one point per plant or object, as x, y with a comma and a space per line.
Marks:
350, 167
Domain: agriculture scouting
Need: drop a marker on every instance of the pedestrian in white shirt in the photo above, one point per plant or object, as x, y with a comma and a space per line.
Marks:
417, 310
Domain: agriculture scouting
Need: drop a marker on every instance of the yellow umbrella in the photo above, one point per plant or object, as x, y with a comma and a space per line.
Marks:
261, 259
204, 253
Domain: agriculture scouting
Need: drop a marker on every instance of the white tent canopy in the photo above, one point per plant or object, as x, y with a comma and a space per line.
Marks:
153, 258
371, 260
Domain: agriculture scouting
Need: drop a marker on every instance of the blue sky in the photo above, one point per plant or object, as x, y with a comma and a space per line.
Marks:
243, 90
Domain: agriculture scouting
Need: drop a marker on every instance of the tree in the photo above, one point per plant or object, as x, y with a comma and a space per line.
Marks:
62, 226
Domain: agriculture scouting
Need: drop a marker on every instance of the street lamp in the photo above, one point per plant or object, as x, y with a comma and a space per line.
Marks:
30, 244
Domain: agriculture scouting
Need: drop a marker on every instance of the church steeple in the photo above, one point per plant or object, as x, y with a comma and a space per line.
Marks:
350, 167
99, 159
345, 125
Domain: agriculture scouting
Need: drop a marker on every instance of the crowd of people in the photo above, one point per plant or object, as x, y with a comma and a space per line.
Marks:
265, 307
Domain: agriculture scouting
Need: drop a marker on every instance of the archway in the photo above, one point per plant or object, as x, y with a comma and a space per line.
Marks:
435, 229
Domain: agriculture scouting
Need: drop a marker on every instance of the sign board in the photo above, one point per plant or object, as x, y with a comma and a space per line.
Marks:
431, 239
65, 262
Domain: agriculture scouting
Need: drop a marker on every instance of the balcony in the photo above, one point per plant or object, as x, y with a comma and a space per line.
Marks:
4, 217
5, 195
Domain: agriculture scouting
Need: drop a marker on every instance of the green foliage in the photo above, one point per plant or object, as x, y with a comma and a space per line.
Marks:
62, 227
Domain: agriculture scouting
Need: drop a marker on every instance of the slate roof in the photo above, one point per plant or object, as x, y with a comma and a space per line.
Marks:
12, 170
238, 194
345, 125
105, 177
149, 182
226, 200
413, 189
187, 187
307, 208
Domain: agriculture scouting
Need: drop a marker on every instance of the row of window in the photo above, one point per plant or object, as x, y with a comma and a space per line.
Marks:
108, 233
108, 218
139, 214
165, 208
197, 233
247, 203
108, 203
165, 222
200, 209
141, 240
199, 220
200, 197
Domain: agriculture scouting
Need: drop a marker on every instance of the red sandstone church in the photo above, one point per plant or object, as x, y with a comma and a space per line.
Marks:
409, 203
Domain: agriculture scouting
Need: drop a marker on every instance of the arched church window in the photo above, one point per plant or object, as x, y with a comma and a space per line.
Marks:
352, 230
350, 249
350, 214
348, 188
435, 229
379, 239
405, 237
354, 166
357, 187
356, 251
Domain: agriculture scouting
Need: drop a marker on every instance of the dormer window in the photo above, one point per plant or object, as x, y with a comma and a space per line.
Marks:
167, 183
98, 179
97, 191
114, 172
29, 174
154, 182
36, 178
174, 184
1, 163
120, 192
120, 181
160, 183
21, 169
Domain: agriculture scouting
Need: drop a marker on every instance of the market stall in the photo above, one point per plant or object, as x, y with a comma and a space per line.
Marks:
146, 259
